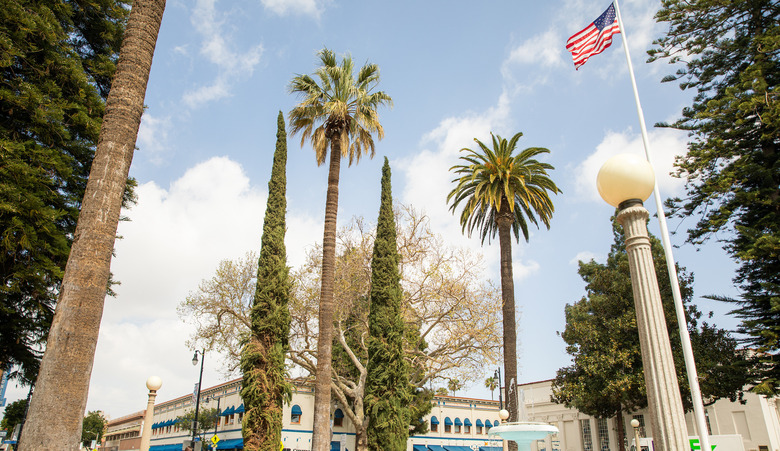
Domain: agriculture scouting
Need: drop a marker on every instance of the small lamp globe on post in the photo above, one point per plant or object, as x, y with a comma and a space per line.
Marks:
625, 181
153, 384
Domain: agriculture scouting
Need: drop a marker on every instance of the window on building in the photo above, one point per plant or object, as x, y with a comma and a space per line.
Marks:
295, 414
707, 419
338, 418
478, 430
434, 427
447, 425
603, 430
585, 432
466, 429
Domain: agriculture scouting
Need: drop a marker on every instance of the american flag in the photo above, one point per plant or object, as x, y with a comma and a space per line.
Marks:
594, 38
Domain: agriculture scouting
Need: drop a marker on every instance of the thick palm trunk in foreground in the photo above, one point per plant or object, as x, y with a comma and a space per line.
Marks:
321, 433
58, 403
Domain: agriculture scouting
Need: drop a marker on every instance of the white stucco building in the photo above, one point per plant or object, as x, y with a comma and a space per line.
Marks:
456, 423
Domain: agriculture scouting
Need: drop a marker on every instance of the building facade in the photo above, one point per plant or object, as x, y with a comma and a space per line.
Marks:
123, 433
757, 422
455, 423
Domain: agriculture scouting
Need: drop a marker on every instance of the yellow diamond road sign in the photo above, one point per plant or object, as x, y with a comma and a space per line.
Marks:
215, 439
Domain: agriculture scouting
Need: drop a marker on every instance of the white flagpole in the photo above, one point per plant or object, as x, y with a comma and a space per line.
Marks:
690, 364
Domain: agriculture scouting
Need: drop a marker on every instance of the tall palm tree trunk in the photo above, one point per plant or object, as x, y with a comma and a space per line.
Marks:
505, 219
321, 431
60, 397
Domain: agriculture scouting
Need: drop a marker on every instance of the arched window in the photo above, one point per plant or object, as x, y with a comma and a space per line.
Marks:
434, 424
338, 418
295, 414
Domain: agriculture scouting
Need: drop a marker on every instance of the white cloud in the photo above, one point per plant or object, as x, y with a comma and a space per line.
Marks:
175, 239
543, 50
219, 50
665, 144
153, 137
312, 8
542, 53
428, 180
583, 256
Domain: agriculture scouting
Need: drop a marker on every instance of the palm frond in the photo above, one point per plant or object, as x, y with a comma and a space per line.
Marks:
488, 177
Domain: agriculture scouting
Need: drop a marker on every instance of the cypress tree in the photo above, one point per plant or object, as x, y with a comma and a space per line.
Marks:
388, 391
265, 387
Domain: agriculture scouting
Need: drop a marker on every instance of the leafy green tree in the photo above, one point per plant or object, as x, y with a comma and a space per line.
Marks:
388, 390
207, 419
607, 378
63, 381
92, 427
56, 62
502, 193
729, 55
265, 387
13, 415
340, 112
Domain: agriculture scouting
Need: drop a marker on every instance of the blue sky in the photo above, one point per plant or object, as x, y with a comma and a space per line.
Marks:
456, 70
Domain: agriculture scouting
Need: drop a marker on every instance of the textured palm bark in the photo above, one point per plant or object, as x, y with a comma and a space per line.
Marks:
321, 431
63, 381
504, 219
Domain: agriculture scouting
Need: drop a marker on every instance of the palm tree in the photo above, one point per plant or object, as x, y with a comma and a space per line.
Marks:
66, 367
491, 383
337, 110
501, 192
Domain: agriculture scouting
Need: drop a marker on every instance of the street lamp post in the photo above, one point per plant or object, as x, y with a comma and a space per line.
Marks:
625, 181
153, 384
635, 425
197, 395
216, 422
497, 375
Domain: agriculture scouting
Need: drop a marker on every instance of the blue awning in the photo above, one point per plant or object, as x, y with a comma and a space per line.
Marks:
458, 422
434, 420
236, 443
457, 448
490, 448
419, 448
338, 414
488, 424
296, 410
467, 422
240, 409
168, 447
436, 448
479, 422
229, 411
447, 421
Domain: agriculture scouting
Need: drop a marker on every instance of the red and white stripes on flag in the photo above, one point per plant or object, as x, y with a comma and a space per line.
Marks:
594, 38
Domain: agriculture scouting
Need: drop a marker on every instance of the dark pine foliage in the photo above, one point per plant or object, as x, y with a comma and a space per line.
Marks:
730, 52
265, 387
57, 60
389, 393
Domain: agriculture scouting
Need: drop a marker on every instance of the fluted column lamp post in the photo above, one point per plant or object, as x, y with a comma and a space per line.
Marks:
153, 384
625, 181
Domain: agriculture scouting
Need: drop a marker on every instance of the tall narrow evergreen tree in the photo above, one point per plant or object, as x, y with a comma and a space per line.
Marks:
388, 391
265, 388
